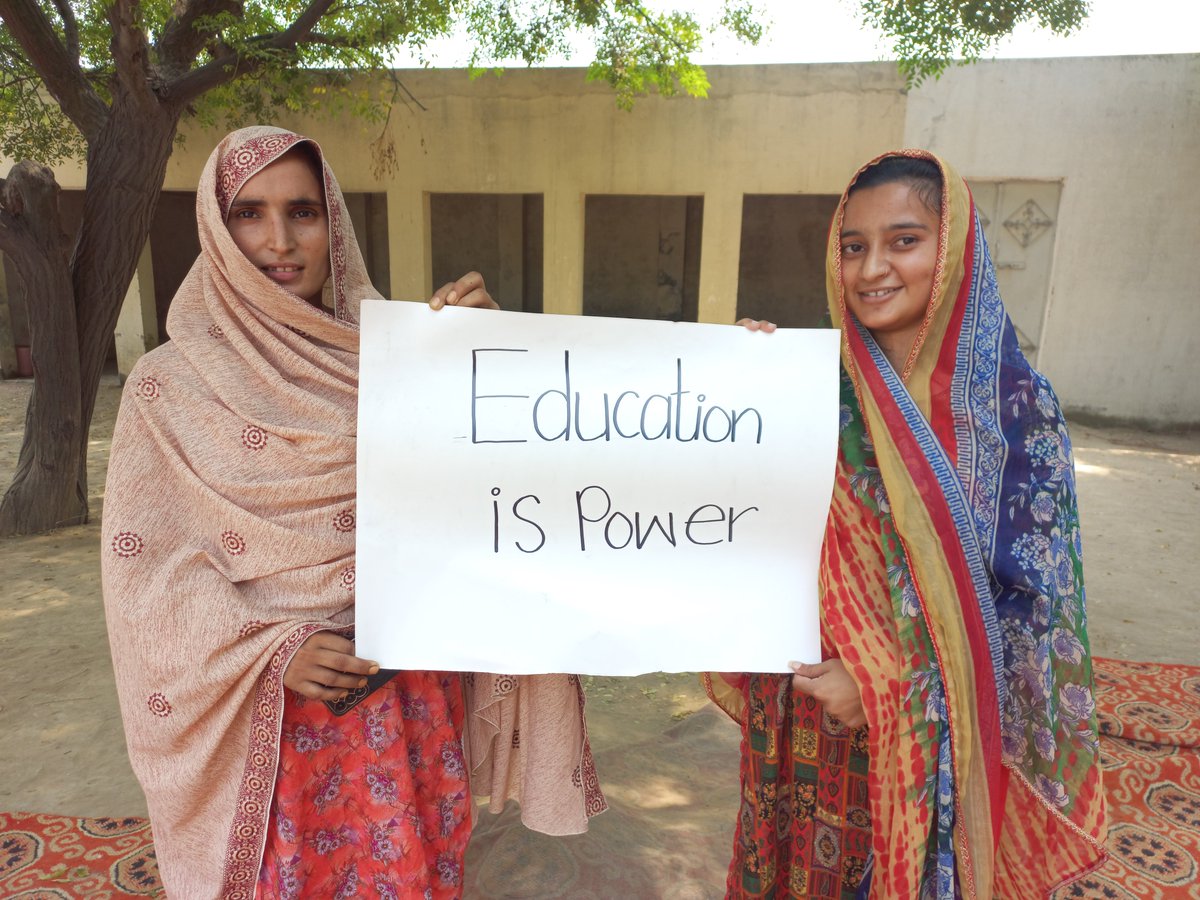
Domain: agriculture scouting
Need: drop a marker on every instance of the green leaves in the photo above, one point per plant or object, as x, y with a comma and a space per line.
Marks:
261, 56
34, 127
930, 35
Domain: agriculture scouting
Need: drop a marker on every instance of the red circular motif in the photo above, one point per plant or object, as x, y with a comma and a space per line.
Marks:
159, 705
147, 388
127, 544
250, 627
505, 684
347, 578
253, 437
238, 166
216, 331
233, 543
344, 521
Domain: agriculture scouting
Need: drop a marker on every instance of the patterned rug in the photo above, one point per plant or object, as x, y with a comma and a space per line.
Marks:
50, 857
669, 830
1150, 744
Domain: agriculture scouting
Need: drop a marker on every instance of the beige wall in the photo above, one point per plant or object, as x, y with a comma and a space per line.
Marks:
763, 130
1121, 334
1122, 135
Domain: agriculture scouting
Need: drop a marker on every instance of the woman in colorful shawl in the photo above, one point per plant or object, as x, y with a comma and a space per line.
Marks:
228, 568
947, 745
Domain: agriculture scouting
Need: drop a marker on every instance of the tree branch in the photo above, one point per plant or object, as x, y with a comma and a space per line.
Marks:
61, 73
181, 42
130, 51
188, 87
70, 27
335, 40
26, 197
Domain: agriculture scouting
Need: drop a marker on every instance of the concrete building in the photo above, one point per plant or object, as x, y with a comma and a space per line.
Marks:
1087, 172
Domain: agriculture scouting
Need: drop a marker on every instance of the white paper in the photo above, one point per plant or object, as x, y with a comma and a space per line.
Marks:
484, 546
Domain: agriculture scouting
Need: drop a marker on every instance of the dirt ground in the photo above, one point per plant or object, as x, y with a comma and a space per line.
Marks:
61, 745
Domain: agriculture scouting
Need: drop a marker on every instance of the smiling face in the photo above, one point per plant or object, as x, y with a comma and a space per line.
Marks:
279, 220
889, 253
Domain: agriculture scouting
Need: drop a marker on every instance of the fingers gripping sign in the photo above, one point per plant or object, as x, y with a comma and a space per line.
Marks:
756, 325
831, 684
467, 291
325, 667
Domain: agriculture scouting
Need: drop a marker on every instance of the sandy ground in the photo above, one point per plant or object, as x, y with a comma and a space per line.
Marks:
61, 745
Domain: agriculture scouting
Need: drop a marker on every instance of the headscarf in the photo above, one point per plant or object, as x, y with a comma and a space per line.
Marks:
952, 589
229, 539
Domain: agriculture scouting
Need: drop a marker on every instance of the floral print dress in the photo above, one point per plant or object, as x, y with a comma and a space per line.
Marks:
374, 803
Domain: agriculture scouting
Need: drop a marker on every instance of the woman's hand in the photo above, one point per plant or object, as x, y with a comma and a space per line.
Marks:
467, 291
833, 687
756, 325
325, 667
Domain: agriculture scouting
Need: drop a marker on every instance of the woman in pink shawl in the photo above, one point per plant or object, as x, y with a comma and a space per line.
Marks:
228, 568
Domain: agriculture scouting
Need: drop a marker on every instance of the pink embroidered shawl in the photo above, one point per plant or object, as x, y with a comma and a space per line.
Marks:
228, 539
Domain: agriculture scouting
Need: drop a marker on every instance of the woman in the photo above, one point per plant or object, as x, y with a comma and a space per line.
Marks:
947, 746
228, 572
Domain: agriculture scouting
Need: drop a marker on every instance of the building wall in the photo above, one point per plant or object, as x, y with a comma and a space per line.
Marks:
781, 270
762, 130
1121, 333
1120, 325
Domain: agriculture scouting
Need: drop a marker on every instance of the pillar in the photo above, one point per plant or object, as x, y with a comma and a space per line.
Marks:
410, 246
720, 254
562, 291
510, 236
137, 324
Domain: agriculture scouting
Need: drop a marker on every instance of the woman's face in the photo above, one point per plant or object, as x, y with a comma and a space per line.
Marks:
279, 220
889, 252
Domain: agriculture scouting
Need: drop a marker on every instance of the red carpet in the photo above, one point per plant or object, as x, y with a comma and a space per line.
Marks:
49, 857
1150, 744
1150, 719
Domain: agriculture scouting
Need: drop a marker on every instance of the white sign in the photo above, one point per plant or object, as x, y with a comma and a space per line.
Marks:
541, 493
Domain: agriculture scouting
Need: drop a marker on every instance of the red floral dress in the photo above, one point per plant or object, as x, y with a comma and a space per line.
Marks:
374, 803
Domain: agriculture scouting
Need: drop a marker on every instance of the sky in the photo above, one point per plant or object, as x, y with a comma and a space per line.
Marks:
830, 31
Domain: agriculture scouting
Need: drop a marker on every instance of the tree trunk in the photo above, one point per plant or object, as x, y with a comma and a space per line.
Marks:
126, 165
126, 168
40, 497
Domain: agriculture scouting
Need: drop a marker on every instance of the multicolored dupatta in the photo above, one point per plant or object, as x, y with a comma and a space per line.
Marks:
952, 590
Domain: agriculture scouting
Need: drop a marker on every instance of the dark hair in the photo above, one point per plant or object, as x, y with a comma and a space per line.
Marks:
306, 151
923, 175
